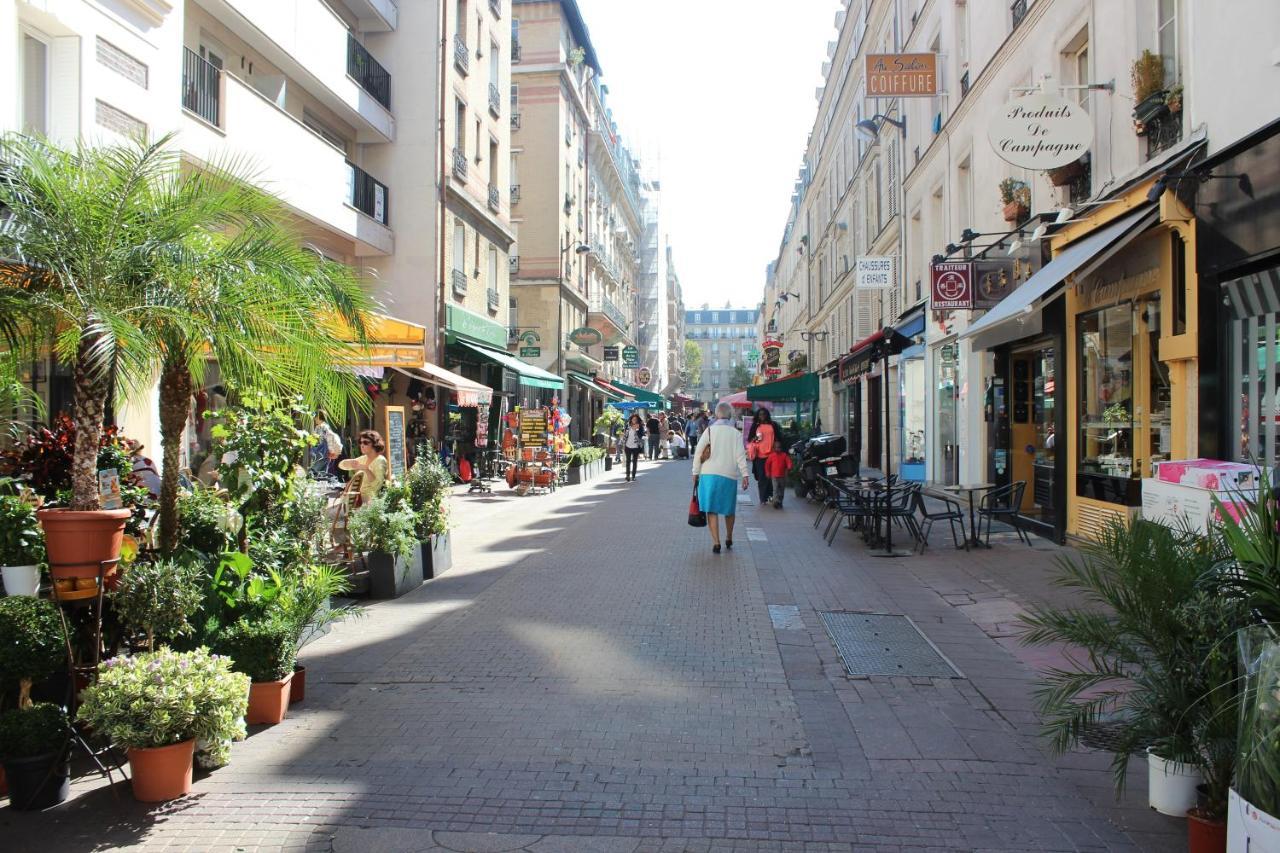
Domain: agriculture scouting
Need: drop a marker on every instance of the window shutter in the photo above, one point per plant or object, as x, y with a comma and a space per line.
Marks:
64, 89
865, 318
892, 205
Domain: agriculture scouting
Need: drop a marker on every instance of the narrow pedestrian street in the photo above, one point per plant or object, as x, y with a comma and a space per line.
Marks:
589, 676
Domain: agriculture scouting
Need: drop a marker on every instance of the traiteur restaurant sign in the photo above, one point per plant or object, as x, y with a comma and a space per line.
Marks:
1041, 132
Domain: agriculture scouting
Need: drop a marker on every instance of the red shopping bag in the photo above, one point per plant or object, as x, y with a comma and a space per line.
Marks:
697, 518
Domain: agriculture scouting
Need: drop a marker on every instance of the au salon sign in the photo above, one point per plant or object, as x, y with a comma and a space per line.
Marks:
902, 75
1041, 132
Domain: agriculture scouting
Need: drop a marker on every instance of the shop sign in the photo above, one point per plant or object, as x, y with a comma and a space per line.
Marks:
902, 75
529, 337
995, 279
463, 323
644, 377
610, 353
772, 357
530, 352
533, 427
1041, 132
753, 356
585, 336
874, 272
951, 285
853, 368
630, 356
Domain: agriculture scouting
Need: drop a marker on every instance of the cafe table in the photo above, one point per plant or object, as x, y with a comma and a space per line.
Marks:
971, 489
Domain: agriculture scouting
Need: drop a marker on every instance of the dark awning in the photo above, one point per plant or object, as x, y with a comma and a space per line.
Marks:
529, 375
802, 388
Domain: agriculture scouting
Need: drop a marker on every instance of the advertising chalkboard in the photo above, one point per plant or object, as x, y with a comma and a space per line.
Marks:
396, 450
533, 427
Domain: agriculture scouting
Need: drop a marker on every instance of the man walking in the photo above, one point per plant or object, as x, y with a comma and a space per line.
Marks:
654, 434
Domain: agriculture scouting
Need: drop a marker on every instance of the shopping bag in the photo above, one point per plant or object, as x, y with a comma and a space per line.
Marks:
697, 518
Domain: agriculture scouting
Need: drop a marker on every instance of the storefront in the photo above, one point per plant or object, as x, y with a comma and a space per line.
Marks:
912, 402
793, 403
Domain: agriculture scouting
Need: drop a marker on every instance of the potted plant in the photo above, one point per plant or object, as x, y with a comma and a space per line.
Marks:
306, 605
265, 649
21, 546
385, 533
584, 463
1254, 802
33, 748
1147, 77
157, 597
606, 426
1016, 197
1174, 99
1135, 678
32, 646
428, 482
155, 705
1064, 175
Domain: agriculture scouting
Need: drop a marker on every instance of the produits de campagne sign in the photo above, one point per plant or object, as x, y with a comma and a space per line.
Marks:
1041, 132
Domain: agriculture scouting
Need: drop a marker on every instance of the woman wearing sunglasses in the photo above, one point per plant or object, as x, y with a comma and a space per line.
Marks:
371, 465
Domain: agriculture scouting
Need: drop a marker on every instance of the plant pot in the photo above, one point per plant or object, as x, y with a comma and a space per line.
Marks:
79, 542
1171, 786
392, 576
441, 553
163, 772
298, 686
39, 781
268, 701
21, 580
608, 463
1249, 827
1015, 211
205, 758
1151, 107
1064, 175
1205, 835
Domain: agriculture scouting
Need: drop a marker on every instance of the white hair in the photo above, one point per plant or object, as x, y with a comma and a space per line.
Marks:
724, 411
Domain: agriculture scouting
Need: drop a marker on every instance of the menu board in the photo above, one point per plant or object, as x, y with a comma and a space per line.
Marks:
533, 427
396, 450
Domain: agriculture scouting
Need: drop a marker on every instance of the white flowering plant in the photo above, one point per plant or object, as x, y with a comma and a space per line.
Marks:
166, 697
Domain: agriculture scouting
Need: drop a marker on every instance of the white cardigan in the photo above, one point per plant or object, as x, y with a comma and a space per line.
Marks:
728, 456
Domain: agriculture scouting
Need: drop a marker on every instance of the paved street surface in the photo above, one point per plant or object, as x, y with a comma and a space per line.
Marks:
590, 677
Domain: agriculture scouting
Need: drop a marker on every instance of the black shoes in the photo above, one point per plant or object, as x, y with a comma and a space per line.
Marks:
728, 543
715, 549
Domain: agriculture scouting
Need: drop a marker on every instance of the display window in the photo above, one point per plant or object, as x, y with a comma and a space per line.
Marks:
1253, 339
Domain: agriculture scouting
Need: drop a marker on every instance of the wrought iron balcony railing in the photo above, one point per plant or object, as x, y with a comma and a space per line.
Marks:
459, 282
461, 55
515, 121
369, 196
515, 193
201, 87
491, 296
460, 163
495, 197
367, 72
513, 263
1019, 9
495, 101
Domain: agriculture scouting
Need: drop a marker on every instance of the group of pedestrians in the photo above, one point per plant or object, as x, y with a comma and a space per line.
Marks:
661, 437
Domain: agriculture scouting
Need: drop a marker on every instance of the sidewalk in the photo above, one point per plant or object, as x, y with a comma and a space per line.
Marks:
591, 677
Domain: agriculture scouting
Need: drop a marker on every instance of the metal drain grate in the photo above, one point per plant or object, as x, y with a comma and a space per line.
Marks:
883, 644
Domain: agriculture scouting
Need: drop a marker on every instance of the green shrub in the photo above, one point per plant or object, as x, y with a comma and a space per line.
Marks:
428, 482
31, 642
158, 598
208, 523
263, 649
165, 697
585, 455
21, 538
377, 526
35, 730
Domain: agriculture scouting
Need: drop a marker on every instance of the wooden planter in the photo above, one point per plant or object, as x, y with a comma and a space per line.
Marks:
391, 576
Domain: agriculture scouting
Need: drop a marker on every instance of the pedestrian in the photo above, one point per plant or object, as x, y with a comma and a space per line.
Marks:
692, 428
329, 446
776, 468
371, 465
679, 446
633, 444
663, 429
718, 463
760, 440
653, 427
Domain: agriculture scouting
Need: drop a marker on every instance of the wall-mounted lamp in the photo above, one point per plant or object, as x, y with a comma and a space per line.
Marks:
788, 294
870, 131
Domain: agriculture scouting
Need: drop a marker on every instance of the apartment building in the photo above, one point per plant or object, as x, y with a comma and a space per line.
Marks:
730, 344
673, 379
652, 303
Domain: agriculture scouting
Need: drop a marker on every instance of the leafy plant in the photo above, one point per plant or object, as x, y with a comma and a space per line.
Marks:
1013, 190
263, 649
39, 729
1258, 772
428, 482
1248, 530
158, 598
1141, 652
292, 534
609, 420
265, 443
1147, 75
242, 590
31, 643
208, 523
377, 526
1115, 413
584, 455
306, 604
21, 537
165, 697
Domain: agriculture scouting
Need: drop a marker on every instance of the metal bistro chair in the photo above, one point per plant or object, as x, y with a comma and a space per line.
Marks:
833, 493
902, 508
952, 514
851, 507
1003, 503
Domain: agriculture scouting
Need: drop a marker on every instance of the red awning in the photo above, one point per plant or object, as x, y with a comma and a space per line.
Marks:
869, 340
614, 390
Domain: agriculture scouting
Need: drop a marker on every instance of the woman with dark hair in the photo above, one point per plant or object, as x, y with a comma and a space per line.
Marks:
760, 440
633, 443
371, 465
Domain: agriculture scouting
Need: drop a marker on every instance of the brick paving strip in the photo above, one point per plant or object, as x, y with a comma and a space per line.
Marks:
590, 677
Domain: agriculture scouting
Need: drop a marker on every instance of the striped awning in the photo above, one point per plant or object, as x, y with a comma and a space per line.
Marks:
1253, 295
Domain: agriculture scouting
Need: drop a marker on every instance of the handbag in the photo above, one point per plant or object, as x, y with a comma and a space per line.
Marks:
697, 518
706, 452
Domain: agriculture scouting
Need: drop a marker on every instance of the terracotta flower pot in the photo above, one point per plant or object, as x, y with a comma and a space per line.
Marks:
268, 700
163, 772
1205, 835
297, 687
1015, 211
78, 542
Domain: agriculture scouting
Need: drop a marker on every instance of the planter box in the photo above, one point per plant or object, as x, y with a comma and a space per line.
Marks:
1151, 107
1064, 175
582, 473
1249, 829
913, 471
436, 555
392, 577
1015, 211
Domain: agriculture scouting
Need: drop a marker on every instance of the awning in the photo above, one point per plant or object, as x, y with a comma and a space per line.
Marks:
590, 384
738, 400
873, 347
639, 393
1089, 252
390, 342
617, 392
801, 388
532, 376
911, 323
470, 393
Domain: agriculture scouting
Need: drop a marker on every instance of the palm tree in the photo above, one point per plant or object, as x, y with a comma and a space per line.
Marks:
135, 266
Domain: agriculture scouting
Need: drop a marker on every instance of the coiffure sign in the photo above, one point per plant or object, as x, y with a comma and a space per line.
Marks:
1041, 132
902, 75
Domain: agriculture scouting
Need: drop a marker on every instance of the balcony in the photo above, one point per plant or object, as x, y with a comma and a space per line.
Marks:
459, 164
513, 263
315, 179
375, 16
515, 121
492, 298
495, 6
459, 279
367, 71
313, 48
515, 50
1163, 132
461, 55
964, 86
201, 87
495, 101
495, 197
601, 304
515, 193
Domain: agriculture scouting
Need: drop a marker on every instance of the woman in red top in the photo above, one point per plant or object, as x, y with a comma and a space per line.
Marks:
760, 441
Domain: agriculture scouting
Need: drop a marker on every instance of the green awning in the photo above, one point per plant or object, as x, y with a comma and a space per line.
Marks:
640, 394
590, 385
532, 376
803, 387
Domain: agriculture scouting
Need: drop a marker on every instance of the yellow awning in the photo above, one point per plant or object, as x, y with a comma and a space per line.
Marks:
391, 342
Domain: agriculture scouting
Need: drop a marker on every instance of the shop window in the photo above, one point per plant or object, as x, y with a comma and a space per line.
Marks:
1254, 365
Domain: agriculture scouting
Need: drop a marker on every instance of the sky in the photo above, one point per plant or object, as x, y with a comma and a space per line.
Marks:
717, 99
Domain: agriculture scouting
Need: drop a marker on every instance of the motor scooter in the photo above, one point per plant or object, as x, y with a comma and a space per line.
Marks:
823, 454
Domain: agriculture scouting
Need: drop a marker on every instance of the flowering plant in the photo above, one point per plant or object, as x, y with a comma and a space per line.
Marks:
165, 697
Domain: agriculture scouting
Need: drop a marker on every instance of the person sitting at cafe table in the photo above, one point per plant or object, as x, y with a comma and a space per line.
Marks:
371, 464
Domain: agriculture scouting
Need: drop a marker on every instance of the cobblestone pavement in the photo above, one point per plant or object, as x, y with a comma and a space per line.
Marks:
591, 677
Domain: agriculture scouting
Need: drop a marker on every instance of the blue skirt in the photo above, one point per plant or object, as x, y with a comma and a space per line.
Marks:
717, 494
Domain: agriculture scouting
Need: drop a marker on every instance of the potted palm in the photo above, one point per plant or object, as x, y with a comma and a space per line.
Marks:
33, 749
265, 649
384, 531
155, 705
307, 605
21, 546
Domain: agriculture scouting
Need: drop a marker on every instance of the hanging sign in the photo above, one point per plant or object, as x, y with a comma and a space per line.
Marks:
772, 357
585, 337
951, 285
902, 75
1041, 132
644, 377
630, 356
753, 356
874, 272
994, 279
533, 427
529, 337
611, 353
530, 352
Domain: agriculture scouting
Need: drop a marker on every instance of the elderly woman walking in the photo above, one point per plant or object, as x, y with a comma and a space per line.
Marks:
719, 463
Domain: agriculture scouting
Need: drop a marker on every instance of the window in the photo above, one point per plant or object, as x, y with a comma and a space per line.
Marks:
35, 85
460, 125
515, 98
323, 130
1167, 38
478, 143
460, 19
493, 162
1254, 339
495, 69
493, 278
513, 313
459, 246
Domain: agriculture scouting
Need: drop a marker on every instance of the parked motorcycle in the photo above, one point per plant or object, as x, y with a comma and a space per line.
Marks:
823, 454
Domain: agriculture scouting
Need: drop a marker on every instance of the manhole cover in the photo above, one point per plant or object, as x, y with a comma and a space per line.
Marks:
883, 644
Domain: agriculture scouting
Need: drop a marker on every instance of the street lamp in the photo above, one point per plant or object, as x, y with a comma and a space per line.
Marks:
870, 131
